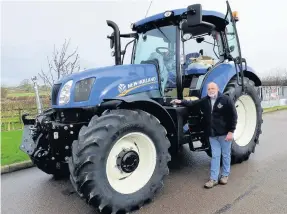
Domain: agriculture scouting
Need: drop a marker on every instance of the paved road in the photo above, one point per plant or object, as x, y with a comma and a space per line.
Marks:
256, 186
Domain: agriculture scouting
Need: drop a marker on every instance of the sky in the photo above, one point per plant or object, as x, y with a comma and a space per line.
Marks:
29, 31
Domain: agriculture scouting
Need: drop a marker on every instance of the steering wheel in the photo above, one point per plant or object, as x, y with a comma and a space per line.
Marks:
164, 54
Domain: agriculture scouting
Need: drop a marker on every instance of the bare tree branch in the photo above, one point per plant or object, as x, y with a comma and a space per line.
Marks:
45, 78
62, 64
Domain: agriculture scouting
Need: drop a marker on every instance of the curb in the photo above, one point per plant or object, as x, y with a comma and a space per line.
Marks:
16, 166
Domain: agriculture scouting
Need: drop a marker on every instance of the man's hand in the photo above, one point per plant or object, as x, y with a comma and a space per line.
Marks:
176, 101
229, 136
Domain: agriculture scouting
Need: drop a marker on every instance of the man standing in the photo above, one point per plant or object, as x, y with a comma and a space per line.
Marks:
220, 119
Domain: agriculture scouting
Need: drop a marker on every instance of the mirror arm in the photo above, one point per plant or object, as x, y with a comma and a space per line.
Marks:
129, 35
124, 51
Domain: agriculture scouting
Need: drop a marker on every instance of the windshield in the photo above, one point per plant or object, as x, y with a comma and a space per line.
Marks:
160, 44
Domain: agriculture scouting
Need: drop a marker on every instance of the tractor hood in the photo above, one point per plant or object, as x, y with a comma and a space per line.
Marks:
88, 88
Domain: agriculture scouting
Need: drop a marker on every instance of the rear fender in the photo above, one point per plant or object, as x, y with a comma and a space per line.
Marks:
222, 74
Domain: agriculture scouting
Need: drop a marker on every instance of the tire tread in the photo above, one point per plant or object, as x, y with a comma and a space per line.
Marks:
88, 153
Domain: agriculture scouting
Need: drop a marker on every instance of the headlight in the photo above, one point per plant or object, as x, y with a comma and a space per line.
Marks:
65, 93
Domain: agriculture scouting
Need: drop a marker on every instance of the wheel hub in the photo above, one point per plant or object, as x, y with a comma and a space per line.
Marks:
128, 161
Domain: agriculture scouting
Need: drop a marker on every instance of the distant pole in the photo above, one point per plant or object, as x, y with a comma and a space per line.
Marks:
38, 101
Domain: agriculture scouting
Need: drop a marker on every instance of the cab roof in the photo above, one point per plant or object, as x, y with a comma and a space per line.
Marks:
214, 17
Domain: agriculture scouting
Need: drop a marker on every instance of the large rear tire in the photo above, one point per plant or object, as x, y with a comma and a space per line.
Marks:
119, 161
249, 110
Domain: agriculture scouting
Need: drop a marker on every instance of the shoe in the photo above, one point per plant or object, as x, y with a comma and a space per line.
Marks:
223, 180
210, 184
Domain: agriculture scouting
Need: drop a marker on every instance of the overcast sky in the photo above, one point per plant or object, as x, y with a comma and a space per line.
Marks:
29, 31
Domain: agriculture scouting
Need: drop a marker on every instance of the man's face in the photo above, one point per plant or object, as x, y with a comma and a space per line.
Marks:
212, 90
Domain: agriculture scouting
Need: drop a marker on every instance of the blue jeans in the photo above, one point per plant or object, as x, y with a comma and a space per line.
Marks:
220, 146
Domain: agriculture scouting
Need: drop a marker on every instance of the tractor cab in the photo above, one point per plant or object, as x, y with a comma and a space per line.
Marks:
184, 45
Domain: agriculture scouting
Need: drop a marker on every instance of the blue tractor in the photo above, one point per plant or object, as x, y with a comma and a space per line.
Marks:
113, 130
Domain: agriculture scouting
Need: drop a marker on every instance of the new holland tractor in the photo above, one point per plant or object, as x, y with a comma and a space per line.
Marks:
113, 130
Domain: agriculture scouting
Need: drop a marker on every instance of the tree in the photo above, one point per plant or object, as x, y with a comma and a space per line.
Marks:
26, 85
276, 77
61, 65
285, 78
44, 88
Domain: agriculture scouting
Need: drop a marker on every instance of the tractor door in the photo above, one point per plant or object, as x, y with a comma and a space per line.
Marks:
233, 44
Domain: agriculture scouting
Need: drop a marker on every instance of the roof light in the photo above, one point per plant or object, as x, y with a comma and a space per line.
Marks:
235, 15
187, 36
168, 13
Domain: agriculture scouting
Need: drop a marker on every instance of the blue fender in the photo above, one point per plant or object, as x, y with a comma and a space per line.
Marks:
223, 73
144, 102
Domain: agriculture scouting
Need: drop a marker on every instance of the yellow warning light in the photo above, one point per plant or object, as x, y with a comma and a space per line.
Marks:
235, 15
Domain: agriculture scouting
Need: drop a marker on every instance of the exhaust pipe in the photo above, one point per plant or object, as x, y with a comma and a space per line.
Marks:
116, 38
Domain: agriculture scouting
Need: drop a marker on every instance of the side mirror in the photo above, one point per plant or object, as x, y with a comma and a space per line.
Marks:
194, 23
231, 48
194, 15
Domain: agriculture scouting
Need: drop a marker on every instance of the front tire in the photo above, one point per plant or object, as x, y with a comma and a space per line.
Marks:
249, 110
119, 161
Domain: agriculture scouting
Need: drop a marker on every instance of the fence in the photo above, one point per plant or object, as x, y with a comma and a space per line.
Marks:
11, 119
271, 96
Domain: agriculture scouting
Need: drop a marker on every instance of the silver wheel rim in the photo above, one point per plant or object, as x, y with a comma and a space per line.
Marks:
127, 183
247, 119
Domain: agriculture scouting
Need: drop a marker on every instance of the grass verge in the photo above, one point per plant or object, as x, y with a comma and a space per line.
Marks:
10, 151
276, 108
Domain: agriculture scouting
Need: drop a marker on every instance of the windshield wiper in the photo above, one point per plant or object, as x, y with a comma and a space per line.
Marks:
162, 32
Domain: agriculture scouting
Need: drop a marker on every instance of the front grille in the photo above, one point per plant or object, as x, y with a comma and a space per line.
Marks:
83, 89
55, 92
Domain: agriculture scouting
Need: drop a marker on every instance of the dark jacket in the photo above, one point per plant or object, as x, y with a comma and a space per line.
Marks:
221, 120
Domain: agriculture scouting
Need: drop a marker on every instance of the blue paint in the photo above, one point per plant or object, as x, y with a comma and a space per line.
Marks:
221, 75
107, 81
197, 71
177, 12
